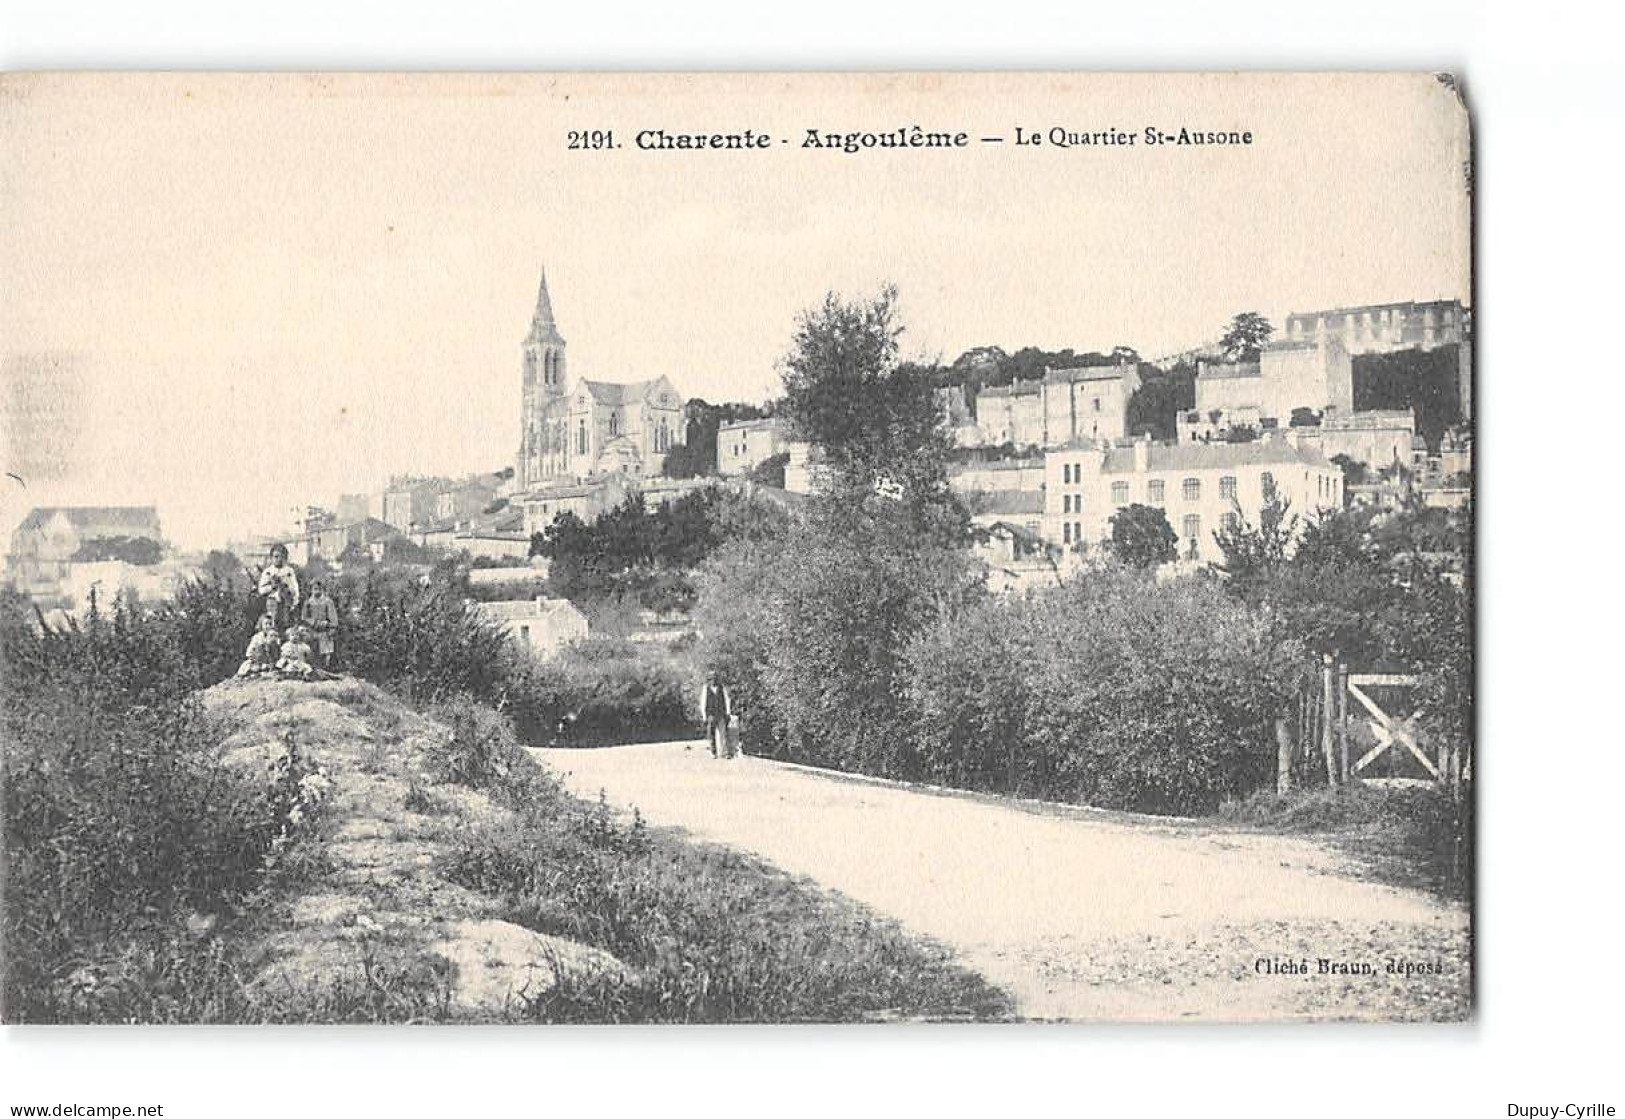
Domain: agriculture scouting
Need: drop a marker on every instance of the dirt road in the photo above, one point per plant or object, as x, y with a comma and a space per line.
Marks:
1078, 914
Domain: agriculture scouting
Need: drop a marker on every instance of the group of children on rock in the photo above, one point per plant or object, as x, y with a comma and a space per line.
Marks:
283, 639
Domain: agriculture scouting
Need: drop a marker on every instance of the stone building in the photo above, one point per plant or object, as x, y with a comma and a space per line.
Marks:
49, 540
1381, 328
540, 626
570, 433
749, 443
1199, 486
1089, 402
1286, 376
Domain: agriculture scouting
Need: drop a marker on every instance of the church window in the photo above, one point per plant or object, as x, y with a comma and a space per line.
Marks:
614, 423
581, 438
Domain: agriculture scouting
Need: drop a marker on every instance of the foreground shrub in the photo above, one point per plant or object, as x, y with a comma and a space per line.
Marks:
1116, 690
599, 692
126, 840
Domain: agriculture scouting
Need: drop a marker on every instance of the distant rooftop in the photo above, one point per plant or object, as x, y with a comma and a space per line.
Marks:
97, 518
1213, 456
762, 424
521, 609
1228, 370
1007, 503
1407, 305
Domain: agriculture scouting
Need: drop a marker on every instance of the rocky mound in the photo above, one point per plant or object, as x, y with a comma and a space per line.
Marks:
374, 902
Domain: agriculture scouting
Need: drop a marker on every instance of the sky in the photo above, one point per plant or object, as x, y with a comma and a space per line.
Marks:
232, 296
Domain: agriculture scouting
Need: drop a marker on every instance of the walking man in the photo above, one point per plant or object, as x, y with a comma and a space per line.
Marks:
716, 710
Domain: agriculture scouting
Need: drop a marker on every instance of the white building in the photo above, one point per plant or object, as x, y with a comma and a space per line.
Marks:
1200, 487
1286, 376
746, 444
541, 626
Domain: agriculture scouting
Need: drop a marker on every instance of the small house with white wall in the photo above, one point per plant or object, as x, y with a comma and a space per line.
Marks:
540, 626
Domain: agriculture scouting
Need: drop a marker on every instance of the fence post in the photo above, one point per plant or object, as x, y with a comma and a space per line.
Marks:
1328, 710
1283, 756
1343, 720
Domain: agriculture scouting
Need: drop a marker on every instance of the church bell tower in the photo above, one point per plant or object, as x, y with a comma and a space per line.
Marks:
542, 380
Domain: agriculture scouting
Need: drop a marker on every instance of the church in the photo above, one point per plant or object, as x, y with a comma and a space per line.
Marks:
572, 433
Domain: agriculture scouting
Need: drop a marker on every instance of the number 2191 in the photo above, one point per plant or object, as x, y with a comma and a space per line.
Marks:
595, 140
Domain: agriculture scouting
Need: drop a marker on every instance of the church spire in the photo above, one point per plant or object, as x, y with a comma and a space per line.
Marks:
544, 304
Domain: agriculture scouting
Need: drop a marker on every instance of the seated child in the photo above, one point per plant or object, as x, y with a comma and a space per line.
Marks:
263, 648
295, 659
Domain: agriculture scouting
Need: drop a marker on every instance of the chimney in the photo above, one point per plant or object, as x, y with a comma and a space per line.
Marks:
1142, 454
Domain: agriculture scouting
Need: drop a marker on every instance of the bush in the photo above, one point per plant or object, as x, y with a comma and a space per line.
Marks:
1115, 690
809, 631
601, 691
123, 830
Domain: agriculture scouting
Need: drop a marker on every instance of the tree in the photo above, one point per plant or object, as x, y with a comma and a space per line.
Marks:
139, 550
1252, 552
1142, 536
224, 568
1355, 473
1245, 336
876, 422
1163, 394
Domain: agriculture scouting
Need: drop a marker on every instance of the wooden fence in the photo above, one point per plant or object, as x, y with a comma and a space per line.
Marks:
1343, 700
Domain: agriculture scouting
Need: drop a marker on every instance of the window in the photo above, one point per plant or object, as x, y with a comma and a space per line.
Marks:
581, 438
1191, 530
1119, 493
1230, 522
1097, 403
524, 635
1077, 531
1154, 490
1066, 473
614, 423
1192, 489
1267, 484
1066, 533
1227, 487
1066, 503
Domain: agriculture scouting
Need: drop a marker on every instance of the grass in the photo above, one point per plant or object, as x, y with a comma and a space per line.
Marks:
1403, 836
710, 935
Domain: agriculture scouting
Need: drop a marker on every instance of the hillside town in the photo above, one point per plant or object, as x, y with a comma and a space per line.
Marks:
1042, 462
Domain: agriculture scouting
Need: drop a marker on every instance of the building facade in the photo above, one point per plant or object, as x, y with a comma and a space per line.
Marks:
49, 540
747, 444
1286, 376
569, 434
1381, 328
1200, 487
541, 627
1089, 402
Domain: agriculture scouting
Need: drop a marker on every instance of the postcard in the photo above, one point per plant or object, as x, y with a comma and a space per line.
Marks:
737, 548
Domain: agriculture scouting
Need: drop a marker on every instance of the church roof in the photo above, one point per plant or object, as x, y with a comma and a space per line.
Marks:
615, 392
121, 520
